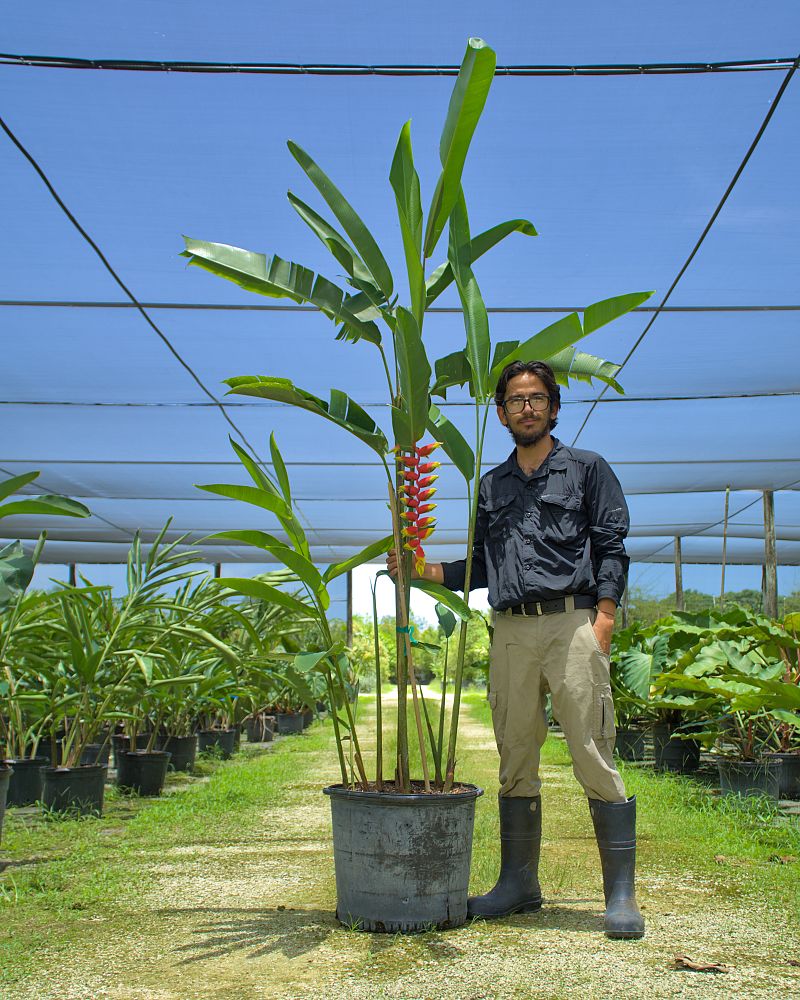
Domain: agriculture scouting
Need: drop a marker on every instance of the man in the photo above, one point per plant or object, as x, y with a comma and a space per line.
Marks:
549, 545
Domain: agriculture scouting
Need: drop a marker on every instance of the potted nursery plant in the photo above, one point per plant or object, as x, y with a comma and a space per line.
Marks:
369, 313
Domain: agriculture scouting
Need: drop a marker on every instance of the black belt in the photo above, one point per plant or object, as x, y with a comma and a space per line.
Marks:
534, 608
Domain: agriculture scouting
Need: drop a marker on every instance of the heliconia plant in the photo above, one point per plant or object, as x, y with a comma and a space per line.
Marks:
410, 378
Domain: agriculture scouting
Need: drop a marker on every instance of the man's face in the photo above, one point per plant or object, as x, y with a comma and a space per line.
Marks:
529, 426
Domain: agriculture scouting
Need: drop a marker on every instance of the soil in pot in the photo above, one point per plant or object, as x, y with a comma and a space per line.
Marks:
5, 778
790, 774
220, 741
183, 750
750, 777
74, 789
402, 861
143, 772
673, 753
289, 722
25, 786
629, 744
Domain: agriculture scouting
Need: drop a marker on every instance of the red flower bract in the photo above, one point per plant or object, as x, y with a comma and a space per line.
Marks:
415, 492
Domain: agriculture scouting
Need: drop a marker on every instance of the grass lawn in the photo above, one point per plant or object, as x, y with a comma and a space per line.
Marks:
224, 889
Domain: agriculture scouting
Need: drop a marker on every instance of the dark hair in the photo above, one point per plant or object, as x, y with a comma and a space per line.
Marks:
538, 368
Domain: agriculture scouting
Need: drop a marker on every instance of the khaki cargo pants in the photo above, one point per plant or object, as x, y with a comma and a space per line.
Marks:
558, 653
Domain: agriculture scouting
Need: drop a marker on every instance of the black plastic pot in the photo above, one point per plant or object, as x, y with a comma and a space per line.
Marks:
183, 750
5, 778
402, 861
96, 753
143, 772
750, 777
74, 789
25, 786
308, 718
289, 722
629, 744
790, 774
122, 744
673, 753
223, 740
259, 729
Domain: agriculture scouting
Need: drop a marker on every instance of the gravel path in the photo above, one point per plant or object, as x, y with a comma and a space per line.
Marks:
254, 919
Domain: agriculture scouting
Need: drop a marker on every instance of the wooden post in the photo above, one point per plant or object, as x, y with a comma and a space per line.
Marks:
678, 575
349, 634
724, 547
73, 575
770, 557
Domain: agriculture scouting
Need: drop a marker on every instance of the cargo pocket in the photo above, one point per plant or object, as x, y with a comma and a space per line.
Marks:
603, 727
498, 724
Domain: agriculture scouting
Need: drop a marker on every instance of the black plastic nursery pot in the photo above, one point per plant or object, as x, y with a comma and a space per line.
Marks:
402, 861
289, 722
25, 786
629, 744
5, 778
750, 777
260, 729
672, 753
121, 744
96, 753
308, 718
223, 740
74, 789
183, 750
790, 774
143, 772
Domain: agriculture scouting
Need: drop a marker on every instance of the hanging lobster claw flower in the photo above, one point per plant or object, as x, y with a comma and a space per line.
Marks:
416, 490
426, 467
425, 507
426, 482
423, 495
426, 449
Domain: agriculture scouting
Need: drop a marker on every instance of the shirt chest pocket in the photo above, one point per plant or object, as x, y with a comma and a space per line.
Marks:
562, 518
501, 516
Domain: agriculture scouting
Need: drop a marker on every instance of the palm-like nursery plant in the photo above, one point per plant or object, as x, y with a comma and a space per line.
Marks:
370, 312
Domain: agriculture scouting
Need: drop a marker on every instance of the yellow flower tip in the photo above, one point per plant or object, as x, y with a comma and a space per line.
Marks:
419, 565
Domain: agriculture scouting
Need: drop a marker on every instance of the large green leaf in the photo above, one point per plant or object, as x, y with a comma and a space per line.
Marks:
362, 238
367, 554
544, 344
444, 596
250, 587
479, 245
466, 104
341, 409
252, 495
306, 662
16, 572
55, 506
281, 279
476, 319
9, 486
453, 442
607, 310
280, 469
415, 372
447, 620
453, 369
572, 363
401, 429
405, 184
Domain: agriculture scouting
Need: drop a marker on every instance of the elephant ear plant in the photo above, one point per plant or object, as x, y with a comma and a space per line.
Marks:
369, 312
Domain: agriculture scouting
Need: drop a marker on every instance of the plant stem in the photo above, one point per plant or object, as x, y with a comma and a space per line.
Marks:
378, 696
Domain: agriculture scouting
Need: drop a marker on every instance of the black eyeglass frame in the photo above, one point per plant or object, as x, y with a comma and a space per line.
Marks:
528, 400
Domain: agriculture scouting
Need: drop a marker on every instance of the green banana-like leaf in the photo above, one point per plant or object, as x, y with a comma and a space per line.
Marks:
607, 310
306, 662
453, 369
476, 319
366, 555
279, 279
405, 183
16, 573
250, 587
280, 469
544, 344
341, 409
444, 596
401, 429
304, 569
349, 220
453, 442
203, 635
51, 505
443, 276
252, 495
415, 372
502, 350
571, 363
447, 620
9, 486
635, 667
466, 104
338, 246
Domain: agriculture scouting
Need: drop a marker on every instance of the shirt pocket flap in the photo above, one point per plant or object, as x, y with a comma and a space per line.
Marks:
569, 501
499, 502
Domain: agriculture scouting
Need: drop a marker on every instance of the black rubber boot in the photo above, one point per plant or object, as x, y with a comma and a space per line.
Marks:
615, 829
517, 889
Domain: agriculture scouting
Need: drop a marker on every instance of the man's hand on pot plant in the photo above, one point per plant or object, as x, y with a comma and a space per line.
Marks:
432, 571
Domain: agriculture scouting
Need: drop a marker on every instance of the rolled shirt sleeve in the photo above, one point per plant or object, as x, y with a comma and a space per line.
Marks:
608, 526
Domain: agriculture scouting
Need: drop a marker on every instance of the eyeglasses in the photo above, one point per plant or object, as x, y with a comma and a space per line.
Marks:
516, 404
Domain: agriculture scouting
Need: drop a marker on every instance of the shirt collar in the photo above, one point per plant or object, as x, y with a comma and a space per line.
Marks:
556, 459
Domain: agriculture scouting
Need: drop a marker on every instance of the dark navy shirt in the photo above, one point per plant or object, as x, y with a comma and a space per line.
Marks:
557, 532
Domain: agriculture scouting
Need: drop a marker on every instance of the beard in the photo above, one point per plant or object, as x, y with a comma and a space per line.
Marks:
526, 437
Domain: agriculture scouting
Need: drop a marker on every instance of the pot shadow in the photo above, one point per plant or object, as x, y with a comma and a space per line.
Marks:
288, 932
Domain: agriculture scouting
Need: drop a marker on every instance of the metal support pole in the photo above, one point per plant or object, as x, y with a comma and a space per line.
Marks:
724, 547
217, 570
770, 557
73, 575
349, 638
678, 575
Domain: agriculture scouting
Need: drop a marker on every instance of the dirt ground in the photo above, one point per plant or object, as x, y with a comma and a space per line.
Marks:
254, 919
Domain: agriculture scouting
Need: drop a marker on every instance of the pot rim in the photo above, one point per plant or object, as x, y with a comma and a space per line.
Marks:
11, 762
139, 754
401, 799
85, 768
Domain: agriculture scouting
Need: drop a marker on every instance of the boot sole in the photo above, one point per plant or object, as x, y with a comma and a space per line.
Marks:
625, 935
530, 907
